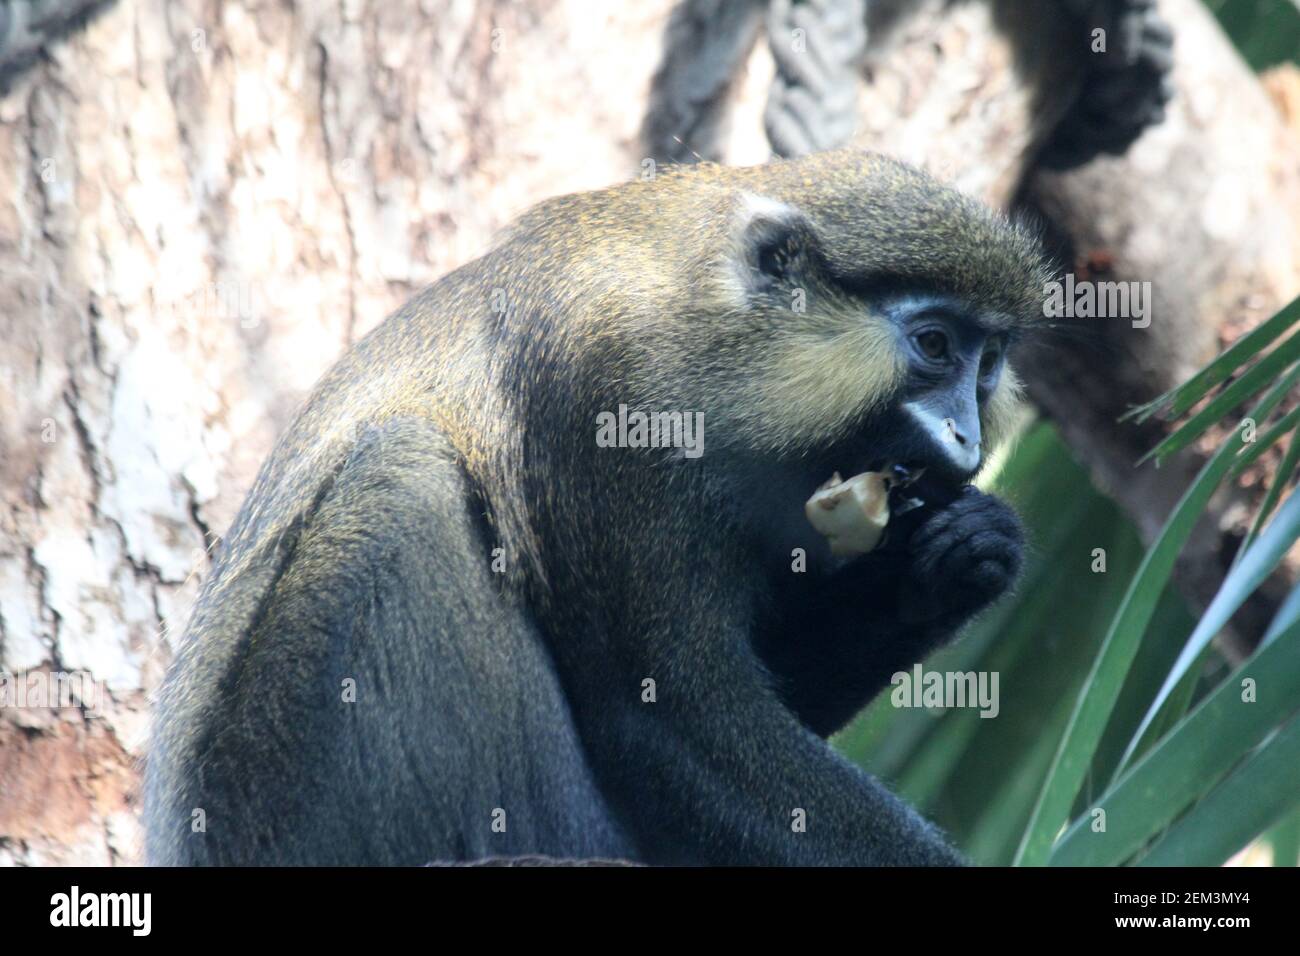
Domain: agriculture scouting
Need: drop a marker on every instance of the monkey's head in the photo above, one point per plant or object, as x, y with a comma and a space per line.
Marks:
842, 303
842, 312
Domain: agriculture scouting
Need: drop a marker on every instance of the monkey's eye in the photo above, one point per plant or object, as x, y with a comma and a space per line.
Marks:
991, 358
933, 345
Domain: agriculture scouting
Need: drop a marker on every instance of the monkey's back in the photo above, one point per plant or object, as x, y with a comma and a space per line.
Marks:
355, 681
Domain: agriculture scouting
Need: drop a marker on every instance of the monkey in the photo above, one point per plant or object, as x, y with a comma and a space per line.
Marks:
448, 624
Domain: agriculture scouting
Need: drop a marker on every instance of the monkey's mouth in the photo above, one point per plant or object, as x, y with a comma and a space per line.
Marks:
912, 484
858, 515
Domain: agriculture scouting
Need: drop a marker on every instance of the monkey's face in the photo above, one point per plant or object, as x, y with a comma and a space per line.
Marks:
954, 364
850, 374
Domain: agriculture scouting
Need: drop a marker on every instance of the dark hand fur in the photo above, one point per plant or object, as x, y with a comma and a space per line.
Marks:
888, 609
1125, 89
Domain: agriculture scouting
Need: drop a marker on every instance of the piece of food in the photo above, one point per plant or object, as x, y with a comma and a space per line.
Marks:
851, 514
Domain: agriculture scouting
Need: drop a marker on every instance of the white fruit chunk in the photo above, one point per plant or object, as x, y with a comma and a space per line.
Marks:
851, 514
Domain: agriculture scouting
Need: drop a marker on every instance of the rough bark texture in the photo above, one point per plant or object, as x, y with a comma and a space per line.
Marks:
206, 201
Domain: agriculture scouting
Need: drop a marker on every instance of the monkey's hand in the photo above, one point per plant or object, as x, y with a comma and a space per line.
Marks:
961, 558
887, 610
1126, 86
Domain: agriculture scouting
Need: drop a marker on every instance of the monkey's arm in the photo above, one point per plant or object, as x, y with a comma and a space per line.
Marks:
889, 609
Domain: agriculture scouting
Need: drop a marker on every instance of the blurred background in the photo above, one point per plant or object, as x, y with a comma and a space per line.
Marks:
203, 202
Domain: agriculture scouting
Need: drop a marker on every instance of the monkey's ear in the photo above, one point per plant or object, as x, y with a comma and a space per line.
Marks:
774, 241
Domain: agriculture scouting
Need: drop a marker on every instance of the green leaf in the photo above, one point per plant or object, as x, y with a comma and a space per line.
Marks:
1163, 640
1240, 583
1265, 32
1190, 758
1179, 400
995, 833
1285, 472
1285, 840
1102, 687
936, 759
1259, 375
1251, 800
1264, 442
1168, 714
1100, 691
1286, 615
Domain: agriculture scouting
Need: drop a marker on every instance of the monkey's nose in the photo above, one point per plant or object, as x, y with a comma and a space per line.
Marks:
960, 435
963, 445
